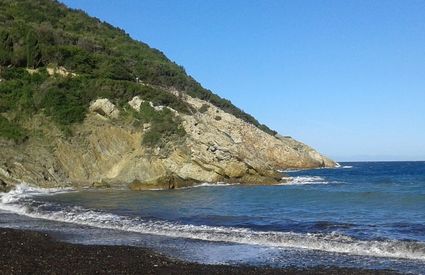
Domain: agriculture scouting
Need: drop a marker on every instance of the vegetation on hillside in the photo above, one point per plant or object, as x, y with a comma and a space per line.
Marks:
66, 99
163, 125
41, 33
11, 131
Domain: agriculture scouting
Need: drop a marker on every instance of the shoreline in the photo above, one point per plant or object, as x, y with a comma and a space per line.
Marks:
32, 252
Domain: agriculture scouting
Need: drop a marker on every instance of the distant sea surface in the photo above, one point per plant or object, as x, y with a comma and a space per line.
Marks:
362, 214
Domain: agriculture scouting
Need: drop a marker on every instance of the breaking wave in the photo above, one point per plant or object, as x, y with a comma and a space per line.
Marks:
305, 180
208, 184
24, 191
21, 201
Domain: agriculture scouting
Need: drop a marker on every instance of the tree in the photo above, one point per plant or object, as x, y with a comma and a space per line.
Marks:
33, 50
6, 48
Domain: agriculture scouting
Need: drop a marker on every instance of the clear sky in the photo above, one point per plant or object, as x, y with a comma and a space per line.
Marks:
346, 77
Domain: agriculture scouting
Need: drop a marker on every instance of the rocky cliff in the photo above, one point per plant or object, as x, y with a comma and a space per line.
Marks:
84, 104
107, 150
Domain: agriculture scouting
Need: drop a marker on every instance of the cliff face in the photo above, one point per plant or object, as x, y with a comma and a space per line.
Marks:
83, 104
107, 150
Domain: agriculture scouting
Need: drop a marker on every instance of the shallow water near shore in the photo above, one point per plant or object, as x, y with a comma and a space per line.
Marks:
367, 215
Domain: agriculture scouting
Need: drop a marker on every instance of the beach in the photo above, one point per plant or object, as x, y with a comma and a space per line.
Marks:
30, 252
320, 221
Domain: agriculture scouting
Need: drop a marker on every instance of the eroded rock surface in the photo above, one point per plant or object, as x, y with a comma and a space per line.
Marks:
105, 108
104, 152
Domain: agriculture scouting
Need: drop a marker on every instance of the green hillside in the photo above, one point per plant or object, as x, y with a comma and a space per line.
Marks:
39, 34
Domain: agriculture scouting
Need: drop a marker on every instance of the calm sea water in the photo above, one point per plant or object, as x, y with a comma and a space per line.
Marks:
363, 214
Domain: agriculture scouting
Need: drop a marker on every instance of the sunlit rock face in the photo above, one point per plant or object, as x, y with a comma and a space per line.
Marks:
106, 150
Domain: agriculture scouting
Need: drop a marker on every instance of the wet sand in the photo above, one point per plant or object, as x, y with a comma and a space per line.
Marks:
29, 252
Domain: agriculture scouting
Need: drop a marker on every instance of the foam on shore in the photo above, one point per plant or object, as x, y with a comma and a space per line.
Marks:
20, 201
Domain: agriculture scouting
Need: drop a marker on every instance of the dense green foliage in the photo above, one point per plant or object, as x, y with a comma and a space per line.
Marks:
66, 99
63, 99
38, 33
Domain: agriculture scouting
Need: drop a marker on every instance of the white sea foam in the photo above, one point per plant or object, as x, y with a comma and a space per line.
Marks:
204, 184
24, 190
291, 170
305, 180
216, 184
19, 201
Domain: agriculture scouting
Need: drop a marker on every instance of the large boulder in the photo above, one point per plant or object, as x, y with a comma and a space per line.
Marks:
105, 108
135, 103
4, 187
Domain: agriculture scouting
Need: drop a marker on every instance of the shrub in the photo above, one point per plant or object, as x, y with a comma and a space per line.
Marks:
64, 105
204, 108
164, 126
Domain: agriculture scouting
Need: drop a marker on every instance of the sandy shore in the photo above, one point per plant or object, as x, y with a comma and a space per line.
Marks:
28, 252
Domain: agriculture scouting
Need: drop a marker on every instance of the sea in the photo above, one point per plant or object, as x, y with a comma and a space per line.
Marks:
361, 214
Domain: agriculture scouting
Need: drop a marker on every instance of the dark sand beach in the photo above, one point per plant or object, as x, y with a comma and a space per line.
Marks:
28, 252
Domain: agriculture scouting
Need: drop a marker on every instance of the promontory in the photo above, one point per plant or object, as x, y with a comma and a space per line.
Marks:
82, 104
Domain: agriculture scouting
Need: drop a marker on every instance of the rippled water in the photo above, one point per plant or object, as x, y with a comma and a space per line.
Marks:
361, 214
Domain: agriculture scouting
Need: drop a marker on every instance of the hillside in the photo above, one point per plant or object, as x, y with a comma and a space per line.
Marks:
36, 34
82, 103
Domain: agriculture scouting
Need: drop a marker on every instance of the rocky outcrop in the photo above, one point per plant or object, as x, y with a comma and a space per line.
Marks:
33, 163
135, 103
54, 70
105, 108
4, 187
107, 151
239, 149
305, 152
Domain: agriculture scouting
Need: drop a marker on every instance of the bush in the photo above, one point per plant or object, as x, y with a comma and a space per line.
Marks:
64, 104
204, 108
17, 91
15, 73
164, 126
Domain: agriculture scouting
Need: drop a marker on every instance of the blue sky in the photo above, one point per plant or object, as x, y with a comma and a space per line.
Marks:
346, 77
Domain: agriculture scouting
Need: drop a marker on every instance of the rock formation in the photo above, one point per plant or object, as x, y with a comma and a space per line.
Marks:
93, 107
108, 151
